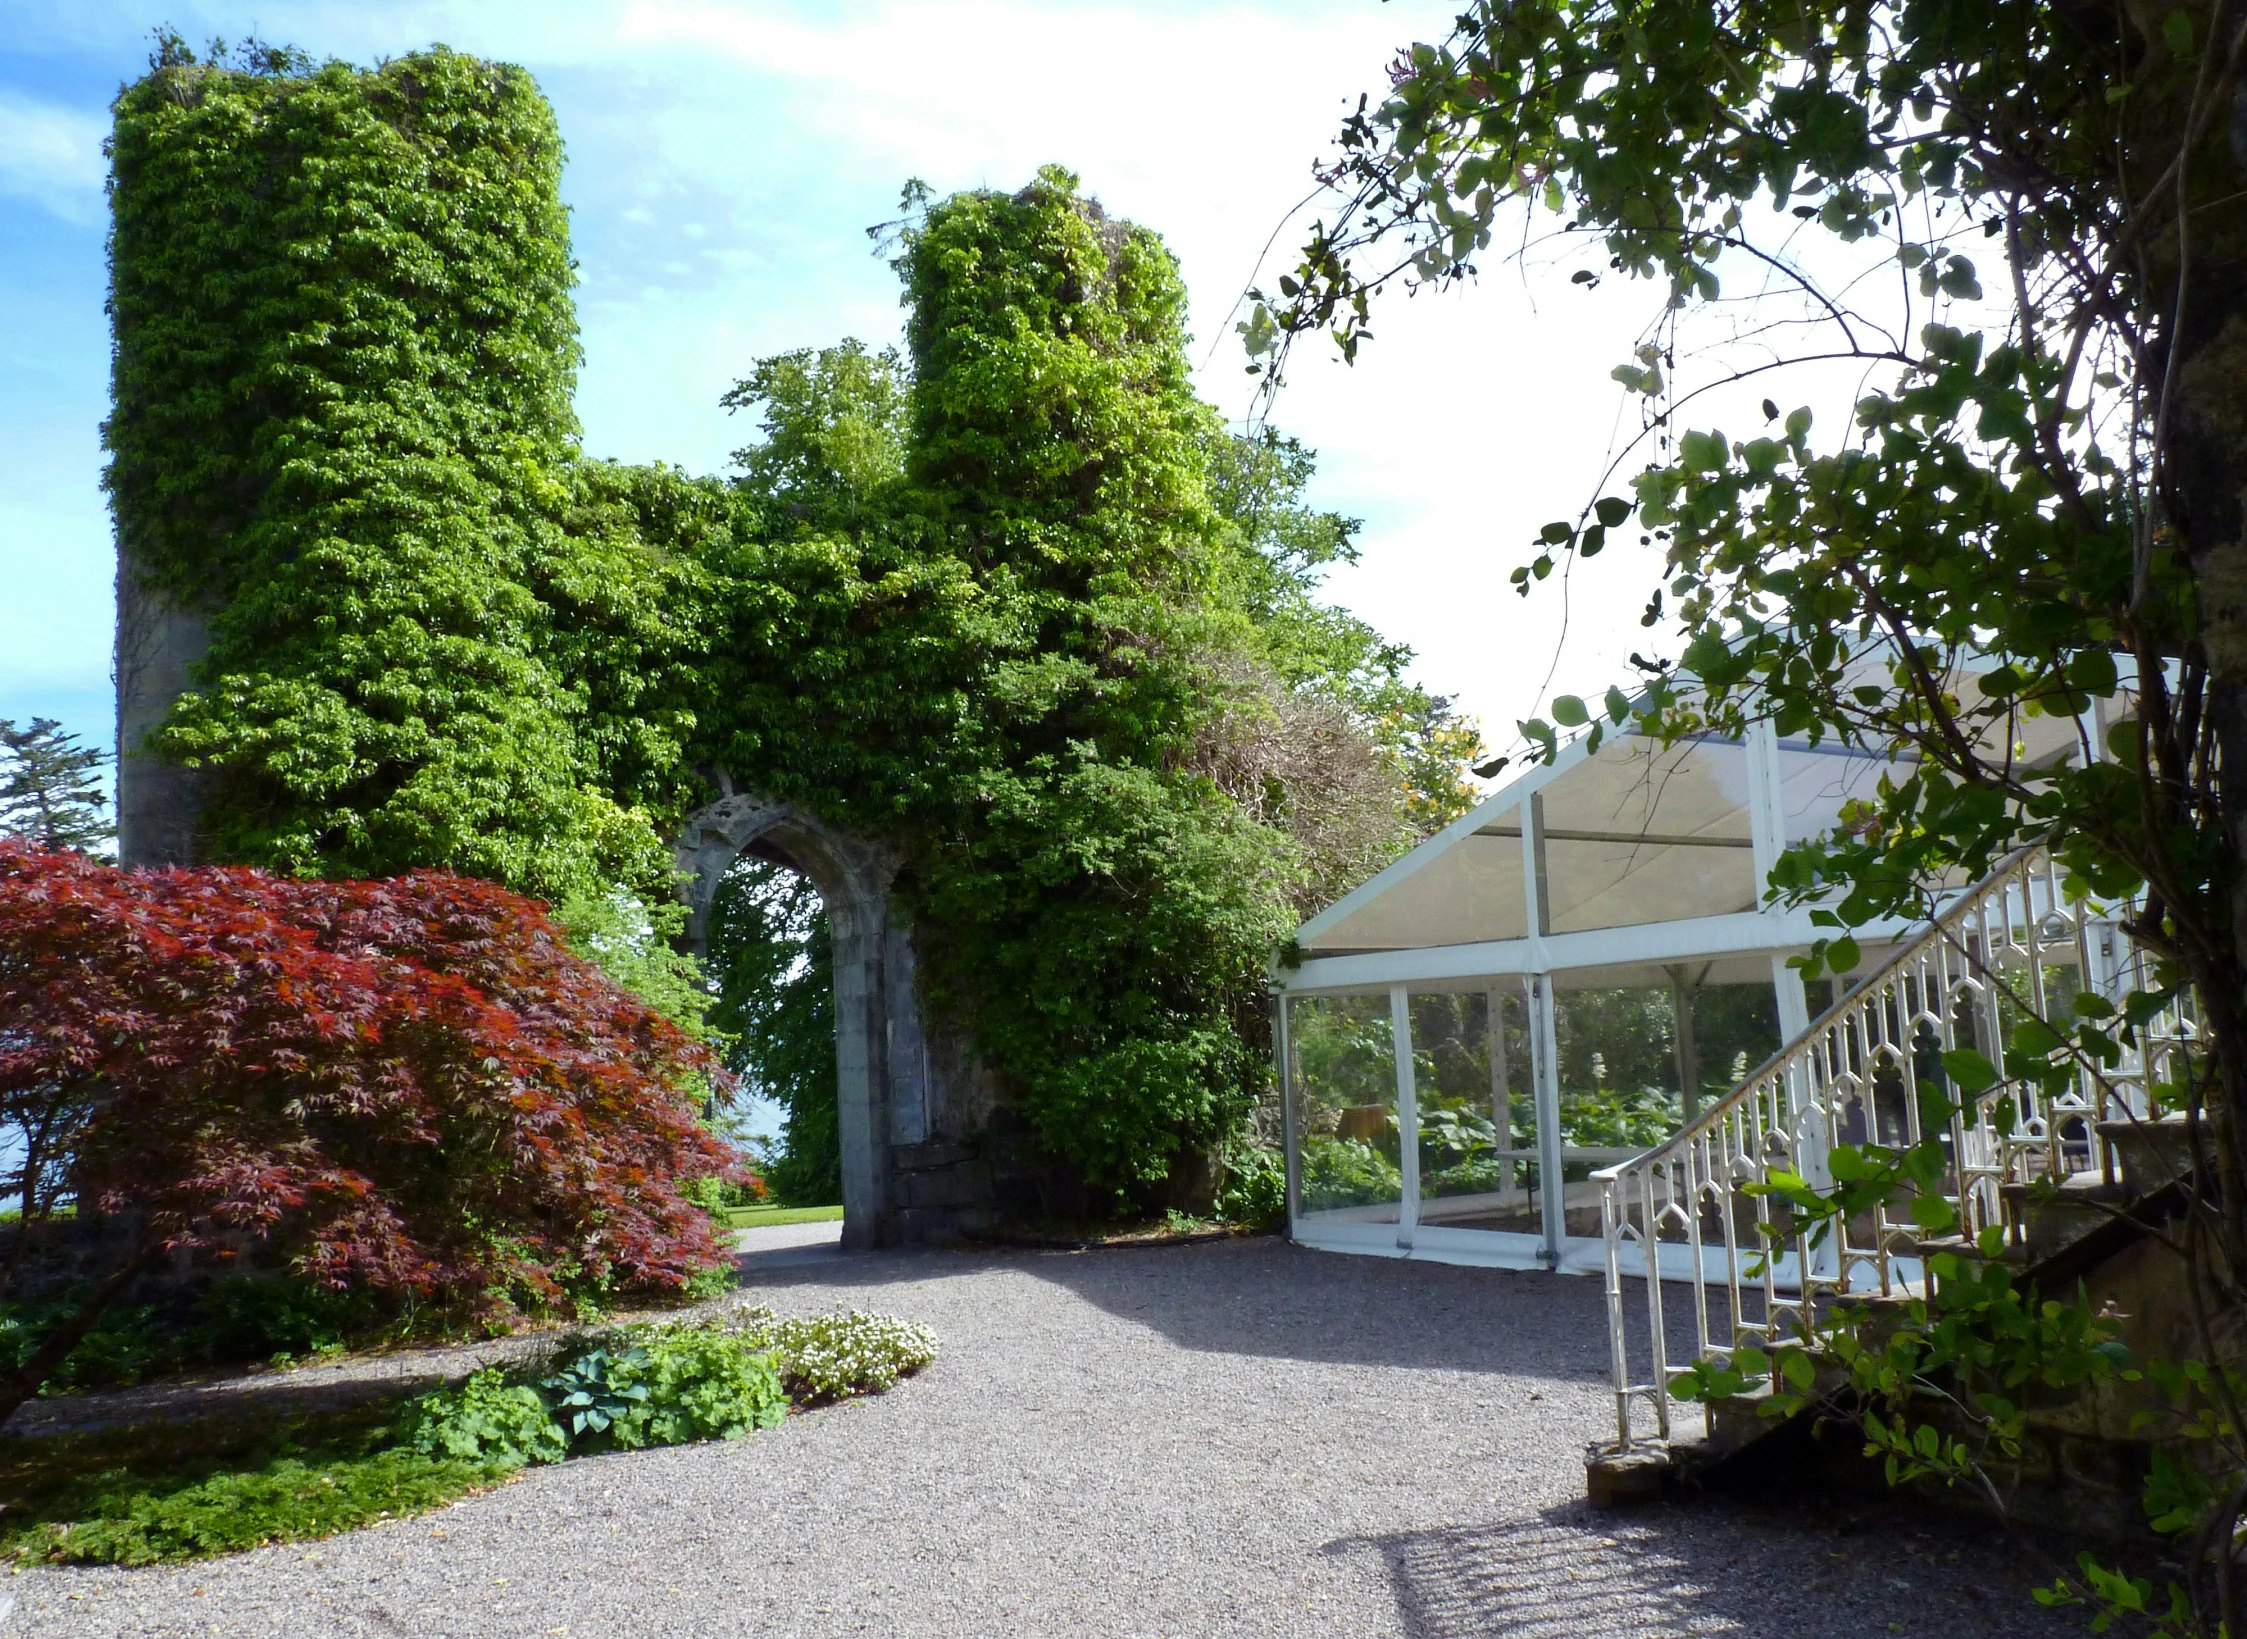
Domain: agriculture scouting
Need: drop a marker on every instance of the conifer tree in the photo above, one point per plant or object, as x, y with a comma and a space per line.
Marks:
50, 787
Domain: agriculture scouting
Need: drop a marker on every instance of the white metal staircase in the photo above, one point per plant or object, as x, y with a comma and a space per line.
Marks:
2008, 947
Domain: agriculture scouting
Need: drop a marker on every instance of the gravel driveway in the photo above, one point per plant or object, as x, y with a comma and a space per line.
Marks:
1242, 1439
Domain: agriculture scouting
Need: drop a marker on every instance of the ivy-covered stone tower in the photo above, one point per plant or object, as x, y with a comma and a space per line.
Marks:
344, 357
361, 566
377, 611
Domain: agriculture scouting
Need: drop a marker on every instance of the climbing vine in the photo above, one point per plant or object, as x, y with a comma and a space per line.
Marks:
1013, 599
344, 357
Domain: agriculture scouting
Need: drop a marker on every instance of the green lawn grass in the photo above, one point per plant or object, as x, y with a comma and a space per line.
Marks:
151, 1495
759, 1217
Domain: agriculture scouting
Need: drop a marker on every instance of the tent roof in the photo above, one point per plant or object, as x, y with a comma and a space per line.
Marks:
1674, 840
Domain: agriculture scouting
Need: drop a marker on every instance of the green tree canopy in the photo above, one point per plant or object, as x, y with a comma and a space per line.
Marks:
2024, 226
50, 787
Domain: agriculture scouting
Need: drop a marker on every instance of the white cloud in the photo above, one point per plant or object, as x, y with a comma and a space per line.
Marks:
726, 154
53, 155
1471, 421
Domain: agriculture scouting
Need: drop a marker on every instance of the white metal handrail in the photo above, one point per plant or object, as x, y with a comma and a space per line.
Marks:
2011, 946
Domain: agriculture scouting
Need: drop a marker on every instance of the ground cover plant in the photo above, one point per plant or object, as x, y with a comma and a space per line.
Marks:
833, 1356
412, 1089
146, 1495
163, 1493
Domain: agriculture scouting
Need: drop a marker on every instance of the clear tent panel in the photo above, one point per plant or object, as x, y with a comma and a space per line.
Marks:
1472, 892
1636, 1061
1816, 782
1639, 832
1343, 1089
1475, 1111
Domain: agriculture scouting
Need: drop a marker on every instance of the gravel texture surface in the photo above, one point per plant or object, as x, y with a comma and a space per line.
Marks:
1235, 1439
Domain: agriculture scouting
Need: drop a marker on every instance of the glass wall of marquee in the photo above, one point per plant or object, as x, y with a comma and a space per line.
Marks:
1552, 984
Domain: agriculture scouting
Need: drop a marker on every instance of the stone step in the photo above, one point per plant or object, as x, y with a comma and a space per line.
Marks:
1614, 1479
2053, 1218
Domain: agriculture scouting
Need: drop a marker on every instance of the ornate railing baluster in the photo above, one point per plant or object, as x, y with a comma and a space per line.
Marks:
1997, 950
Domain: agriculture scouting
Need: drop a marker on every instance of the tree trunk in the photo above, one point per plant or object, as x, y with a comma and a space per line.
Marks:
2193, 246
28, 1196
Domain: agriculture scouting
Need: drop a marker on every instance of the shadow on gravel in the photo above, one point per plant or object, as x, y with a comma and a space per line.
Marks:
1808, 1571
1264, 1297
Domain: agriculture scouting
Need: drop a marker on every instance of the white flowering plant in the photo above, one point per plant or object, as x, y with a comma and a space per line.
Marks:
838, 1355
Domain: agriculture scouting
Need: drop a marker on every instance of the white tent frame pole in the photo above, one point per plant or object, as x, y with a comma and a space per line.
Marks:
1695, 939
1544, 1042
1537, 888
1767, 800
1552, 1187
1408, 1115
1794, 1005
1290, 1140
1501, 1081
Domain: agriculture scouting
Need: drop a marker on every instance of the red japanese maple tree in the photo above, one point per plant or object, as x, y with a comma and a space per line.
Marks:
411, 1085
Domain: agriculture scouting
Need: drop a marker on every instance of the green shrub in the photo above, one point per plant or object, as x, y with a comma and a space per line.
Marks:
486, 1420
236, 1319
707, 1193
129, 1344
259, 1317
834, 1356
703, 1383
1476, 1175
670, 1385
717, 1280
590, 1394
1620, 1117
1340, 1172
285, 1501
1255, 1188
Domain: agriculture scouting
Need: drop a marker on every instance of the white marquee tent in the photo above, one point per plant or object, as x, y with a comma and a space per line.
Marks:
1548, 985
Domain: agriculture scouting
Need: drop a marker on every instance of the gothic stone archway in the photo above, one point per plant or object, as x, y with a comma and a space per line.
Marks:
913, 1103
909, 1098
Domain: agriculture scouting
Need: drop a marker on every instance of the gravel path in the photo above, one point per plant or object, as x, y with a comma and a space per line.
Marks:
1234, 1439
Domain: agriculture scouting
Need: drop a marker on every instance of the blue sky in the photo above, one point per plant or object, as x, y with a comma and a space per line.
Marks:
724, 162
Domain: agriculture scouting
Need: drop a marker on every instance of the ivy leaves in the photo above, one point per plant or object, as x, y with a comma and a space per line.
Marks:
345, 355
966, 604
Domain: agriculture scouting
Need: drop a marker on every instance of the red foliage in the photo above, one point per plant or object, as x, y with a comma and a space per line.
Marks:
412, 1085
